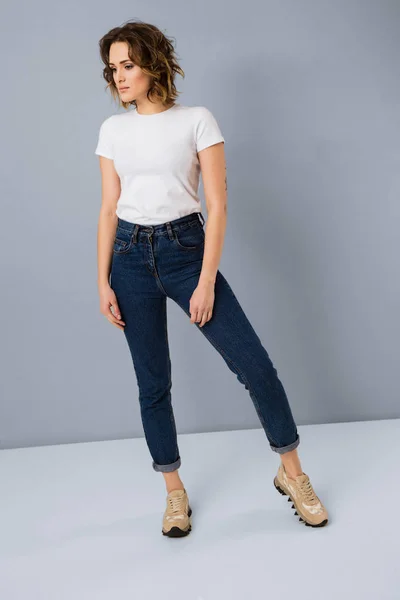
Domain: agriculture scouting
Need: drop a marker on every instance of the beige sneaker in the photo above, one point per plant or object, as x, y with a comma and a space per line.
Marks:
308, 506
177, 520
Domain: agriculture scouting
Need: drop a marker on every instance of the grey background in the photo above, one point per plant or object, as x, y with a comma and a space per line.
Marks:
307, 96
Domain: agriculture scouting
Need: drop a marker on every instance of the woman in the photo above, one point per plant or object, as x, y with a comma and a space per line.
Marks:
151, 239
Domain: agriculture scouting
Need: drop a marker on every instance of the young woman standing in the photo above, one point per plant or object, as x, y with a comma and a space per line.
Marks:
152, 242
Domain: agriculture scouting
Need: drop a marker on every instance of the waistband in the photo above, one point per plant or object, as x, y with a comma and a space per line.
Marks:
161, 227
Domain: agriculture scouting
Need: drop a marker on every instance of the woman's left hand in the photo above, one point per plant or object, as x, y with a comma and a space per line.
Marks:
201, 303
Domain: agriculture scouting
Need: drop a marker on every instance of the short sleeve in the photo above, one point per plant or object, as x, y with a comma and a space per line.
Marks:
208, 132
104, 144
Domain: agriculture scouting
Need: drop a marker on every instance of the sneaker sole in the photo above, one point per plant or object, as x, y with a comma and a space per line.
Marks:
294, 505
177, 531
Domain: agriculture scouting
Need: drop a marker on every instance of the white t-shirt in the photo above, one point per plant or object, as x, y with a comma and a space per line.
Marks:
156, 159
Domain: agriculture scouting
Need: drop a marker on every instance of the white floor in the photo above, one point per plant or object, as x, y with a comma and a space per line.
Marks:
83, 521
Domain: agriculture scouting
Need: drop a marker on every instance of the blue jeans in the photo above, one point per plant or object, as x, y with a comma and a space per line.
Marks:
153, 263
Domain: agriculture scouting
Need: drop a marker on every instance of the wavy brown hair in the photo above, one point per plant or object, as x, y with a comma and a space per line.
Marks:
152, 51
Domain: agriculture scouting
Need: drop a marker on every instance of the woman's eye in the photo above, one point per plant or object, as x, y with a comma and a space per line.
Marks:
126, 66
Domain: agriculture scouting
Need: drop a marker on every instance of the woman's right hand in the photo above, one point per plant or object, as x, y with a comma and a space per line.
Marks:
108, 300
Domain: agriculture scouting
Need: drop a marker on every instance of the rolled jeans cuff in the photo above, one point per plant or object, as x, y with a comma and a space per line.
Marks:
167, 468
288, 448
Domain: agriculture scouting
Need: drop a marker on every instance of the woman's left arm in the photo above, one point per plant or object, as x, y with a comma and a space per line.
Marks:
213, 172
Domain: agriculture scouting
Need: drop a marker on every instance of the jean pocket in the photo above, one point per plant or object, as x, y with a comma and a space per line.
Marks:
190, 238
122, 241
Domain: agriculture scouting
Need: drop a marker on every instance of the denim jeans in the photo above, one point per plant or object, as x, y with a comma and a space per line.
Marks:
153, 263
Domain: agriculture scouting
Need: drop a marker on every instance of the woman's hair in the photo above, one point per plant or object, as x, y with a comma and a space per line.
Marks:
152, 51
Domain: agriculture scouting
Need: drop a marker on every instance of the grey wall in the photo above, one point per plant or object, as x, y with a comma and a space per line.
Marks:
307, 95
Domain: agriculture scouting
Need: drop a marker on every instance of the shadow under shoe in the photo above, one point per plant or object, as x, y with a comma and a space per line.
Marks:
177, 520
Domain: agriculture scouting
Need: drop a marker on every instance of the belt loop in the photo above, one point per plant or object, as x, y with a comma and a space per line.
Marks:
201, 218
169, 229
135, 233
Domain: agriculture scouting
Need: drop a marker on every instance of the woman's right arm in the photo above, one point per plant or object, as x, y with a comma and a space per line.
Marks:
107, 225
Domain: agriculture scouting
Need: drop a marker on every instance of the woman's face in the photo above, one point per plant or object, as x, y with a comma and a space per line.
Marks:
126, 74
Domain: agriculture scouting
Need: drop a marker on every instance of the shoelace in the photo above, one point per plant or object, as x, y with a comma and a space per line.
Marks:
307, 491
175, 504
